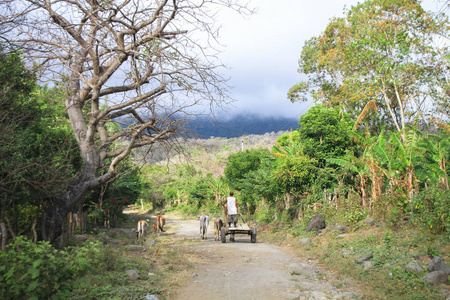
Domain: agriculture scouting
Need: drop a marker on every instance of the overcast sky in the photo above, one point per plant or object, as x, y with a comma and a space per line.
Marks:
262, 51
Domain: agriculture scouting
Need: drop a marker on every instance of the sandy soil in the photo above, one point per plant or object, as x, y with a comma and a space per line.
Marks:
245, 270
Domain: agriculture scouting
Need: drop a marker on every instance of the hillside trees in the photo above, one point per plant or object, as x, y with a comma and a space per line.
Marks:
295, 172
149, 61
241, 172
383, 54
386, 64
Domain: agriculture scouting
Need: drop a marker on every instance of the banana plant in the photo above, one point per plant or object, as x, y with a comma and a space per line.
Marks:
356, 165
407, 159
365, 166
436, 150
291, 149
219, 188
292, 169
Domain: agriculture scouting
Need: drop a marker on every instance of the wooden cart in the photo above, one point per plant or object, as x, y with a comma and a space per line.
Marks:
241, 228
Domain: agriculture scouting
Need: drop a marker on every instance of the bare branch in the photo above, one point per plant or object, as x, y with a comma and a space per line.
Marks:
144, 64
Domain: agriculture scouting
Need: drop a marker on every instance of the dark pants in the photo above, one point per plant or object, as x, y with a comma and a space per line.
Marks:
232, 219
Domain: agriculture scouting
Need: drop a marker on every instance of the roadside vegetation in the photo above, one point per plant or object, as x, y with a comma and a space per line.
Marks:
393, 247
96, 268
375, 145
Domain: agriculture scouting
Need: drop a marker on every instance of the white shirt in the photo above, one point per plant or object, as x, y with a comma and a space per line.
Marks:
231, 205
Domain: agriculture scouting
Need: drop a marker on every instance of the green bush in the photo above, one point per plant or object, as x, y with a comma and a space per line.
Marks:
113, 211
33, 271
39, 271
432, 209
188, 209
264, 216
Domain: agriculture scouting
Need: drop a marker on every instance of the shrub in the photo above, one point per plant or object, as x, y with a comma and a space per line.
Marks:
33, 271
113, 210
431, 207
264, 216
39, 271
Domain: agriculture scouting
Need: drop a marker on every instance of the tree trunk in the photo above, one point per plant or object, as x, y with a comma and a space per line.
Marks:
53, 218
287, 201
3, 231
33, 228
443, 167
4, 235
363, 191
10, 229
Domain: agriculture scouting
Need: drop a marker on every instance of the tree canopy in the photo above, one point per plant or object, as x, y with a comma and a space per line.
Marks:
382, 55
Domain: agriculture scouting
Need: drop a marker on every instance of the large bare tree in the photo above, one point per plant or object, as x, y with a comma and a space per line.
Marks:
146, 64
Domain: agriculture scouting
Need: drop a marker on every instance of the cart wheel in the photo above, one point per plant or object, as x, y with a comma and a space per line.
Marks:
232, 238
253, 235
222, 235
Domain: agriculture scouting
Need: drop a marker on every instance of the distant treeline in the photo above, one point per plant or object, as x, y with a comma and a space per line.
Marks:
241, 125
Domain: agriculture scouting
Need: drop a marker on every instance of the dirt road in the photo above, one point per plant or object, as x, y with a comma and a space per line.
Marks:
245, 270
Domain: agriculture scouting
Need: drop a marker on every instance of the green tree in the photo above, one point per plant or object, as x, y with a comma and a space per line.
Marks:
324, 133
240, 165
241, 173
140, 57
288, 139
154, 181
294, 175
382, 51
38, 155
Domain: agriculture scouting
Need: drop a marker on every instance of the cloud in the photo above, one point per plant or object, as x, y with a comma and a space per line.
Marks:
262, 51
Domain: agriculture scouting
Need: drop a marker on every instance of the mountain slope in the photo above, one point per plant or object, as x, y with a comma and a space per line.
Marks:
241, 125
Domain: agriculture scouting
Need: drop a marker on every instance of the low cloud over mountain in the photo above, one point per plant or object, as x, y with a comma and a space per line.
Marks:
241, 125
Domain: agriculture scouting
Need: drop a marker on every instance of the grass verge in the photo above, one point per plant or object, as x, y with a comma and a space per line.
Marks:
162, 263
392, 250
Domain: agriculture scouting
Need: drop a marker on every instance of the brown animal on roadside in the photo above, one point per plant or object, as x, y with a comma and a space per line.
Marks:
141, 228
159, 224
218, 224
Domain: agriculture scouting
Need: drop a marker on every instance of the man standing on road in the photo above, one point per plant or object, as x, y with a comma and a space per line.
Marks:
232, 207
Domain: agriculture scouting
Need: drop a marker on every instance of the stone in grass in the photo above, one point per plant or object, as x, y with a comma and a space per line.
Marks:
305, 241
436, 277
346, 252
340, 228
135, 247
413, 267
133, 274
81, 238
367, 265
151, 243
369, 221
364, 258
437, 264
346, 296
316, 223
